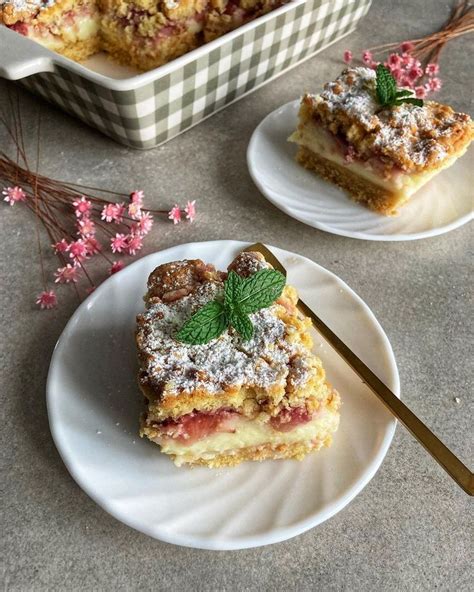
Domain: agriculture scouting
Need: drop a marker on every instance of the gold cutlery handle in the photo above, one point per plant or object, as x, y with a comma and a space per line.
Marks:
439, 451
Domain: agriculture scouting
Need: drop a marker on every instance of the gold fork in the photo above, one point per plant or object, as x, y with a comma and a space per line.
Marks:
439, 451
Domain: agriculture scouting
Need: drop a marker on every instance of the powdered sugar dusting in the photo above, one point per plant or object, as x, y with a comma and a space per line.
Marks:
406, 136
266, 360
27, 5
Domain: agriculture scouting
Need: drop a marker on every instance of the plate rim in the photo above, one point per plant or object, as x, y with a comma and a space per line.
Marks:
328, 228
222, 543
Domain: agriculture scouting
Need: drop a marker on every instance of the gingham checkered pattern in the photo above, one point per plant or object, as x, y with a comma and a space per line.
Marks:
150, 115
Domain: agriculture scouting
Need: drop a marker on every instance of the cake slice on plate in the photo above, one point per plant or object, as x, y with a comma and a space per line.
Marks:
240, 395
380, 154
66, 26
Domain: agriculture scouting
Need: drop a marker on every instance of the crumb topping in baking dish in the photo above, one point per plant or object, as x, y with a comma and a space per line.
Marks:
270, 357
407, 136
27, 5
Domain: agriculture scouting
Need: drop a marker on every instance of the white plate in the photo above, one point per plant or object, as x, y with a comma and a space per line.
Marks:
442, 205
94, 404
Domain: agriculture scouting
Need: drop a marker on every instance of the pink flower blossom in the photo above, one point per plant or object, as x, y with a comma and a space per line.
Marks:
394, 60
420, 92
13, 194
78, 250
347, 56
47, 299
61, 246
92, 245
434, 84
144, 224
190, 209
113, 212
119, 243
407, 46
116, 266
135, 210
175, 214
414, 73
66, 274
134, 243
82, 207
86, 227
397, 73
432, 69
137, 197
367, 57
407, 60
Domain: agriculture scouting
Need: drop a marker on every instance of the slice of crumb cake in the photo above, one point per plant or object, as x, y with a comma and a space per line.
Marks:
69, 27
381, 155
230, 400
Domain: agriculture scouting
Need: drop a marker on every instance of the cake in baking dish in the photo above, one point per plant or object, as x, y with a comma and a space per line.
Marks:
380, 155
230, 400
143, 33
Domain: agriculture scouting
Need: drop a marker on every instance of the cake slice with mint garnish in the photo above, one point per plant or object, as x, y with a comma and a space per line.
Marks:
376, 141
227, 368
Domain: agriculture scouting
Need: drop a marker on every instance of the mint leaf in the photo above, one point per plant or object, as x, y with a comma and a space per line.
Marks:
259, 290
243, 325
231, 285
206, 324
385, 85
387, 93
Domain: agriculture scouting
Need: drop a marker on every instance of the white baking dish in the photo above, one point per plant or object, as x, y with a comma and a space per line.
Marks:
144, 110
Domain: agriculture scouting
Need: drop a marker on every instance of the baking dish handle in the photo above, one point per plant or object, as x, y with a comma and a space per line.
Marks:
21, 57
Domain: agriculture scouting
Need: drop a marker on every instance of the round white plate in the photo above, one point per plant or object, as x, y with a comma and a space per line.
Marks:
443, 204
94, 404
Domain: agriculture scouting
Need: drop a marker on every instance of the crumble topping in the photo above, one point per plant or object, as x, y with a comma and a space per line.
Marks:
404, 136
228, 361
27, 5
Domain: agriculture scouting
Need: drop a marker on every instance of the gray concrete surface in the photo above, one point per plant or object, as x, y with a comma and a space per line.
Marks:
411, 527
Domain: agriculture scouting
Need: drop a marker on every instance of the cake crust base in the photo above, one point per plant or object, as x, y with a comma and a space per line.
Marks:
360, 190
295, 451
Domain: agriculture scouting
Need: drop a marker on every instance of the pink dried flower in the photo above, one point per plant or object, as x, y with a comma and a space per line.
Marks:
134, 243
394, 60
397, 73
432, 69
47, 299
407, 60
190, 209
66, 274
407, 46
86, 227
414, 73
434, 84
82, 207
13, 194
420, 92
118, 243
367, 57
77, 250
61, 246
113, 212
135, 210
137, 197
175, 214
92, 245
347, 56
116, 266
144, 224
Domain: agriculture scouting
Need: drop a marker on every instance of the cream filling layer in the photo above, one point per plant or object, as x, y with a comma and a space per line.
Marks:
313, 137
83, 29
247, 434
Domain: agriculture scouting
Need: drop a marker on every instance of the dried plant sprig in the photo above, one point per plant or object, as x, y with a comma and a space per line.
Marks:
415, 63
80, 223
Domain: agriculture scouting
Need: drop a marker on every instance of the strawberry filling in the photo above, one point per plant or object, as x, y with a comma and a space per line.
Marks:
289, 419
197, 425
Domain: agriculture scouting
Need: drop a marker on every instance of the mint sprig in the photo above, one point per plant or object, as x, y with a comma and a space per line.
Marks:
242, 296
387, 93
